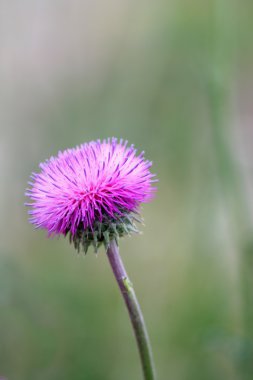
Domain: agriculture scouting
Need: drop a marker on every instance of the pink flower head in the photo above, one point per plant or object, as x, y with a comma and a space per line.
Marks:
95, 186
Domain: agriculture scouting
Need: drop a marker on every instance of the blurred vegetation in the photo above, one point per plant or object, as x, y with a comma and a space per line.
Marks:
174, 78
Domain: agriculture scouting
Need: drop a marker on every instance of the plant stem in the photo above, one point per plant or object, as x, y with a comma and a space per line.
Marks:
134, 311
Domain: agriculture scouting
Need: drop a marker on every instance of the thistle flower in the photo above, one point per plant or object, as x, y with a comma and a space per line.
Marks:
91, 192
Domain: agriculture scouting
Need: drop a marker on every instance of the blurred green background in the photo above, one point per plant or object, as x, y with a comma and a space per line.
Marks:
174, 78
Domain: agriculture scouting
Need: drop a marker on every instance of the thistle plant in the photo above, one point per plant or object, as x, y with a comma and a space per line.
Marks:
92, 193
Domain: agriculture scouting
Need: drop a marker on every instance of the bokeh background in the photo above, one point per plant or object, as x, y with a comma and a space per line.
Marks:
174, 78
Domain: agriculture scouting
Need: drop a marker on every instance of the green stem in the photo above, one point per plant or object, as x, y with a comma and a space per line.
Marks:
134, 311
